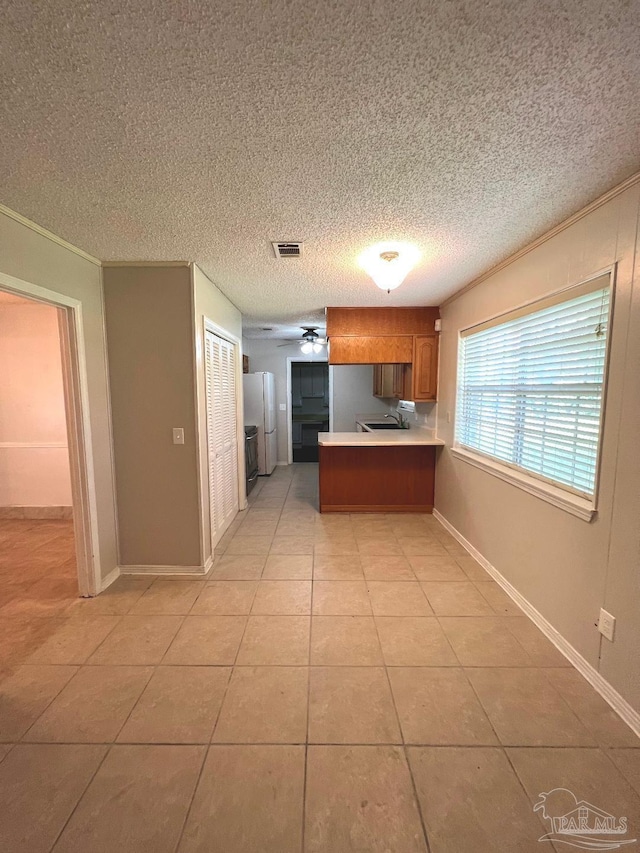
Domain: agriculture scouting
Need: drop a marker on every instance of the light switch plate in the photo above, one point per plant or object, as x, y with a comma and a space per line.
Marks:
283, 407
178, 435
607, 625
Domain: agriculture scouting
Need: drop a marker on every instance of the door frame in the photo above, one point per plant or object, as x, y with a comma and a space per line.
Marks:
290, 360
79, 436
234, 340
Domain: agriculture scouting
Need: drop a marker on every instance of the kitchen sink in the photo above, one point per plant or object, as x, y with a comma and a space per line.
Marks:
382, 426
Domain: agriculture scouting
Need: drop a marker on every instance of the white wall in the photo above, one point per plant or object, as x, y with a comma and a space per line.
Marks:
27, 254
567, 568
34, 458
268, 356
353, 395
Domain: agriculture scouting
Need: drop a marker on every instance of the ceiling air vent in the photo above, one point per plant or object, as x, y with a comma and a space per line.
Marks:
287, 250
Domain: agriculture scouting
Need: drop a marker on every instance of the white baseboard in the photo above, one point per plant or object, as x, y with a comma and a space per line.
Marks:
184, 571
36, 513
619, 704
110, 578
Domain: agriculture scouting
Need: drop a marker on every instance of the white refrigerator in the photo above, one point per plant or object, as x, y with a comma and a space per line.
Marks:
260, 411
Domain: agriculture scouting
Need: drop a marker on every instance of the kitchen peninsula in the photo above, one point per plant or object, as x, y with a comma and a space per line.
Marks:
377, 471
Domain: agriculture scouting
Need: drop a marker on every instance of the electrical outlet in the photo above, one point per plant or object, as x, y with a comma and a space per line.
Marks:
283, 407
607, 624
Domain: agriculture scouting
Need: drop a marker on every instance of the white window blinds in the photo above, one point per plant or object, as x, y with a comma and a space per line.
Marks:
530, 387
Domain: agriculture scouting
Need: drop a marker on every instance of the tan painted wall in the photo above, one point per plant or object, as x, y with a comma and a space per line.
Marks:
211, 304
34, 258
149, 317
567, 568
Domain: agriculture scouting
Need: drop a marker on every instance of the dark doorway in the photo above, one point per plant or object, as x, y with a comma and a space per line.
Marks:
309, 407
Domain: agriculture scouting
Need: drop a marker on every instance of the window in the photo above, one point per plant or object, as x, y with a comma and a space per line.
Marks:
530, 388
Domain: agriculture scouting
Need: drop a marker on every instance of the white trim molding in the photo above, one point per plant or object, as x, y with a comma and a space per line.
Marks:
617, 702
113, 575
183, 571
12, 214
79, 427
37, 513
581, 507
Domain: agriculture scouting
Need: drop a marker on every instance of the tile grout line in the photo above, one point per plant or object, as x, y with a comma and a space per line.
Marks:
81, 797
205, 755
48, 705
306, 745
154, 667
410, 744
404, 746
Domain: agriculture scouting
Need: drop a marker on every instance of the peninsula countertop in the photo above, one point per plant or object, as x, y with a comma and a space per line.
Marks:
379, 438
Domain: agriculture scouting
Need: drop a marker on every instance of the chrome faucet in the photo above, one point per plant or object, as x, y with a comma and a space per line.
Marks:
398, 418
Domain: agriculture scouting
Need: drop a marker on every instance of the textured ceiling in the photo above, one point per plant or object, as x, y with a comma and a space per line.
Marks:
159, 130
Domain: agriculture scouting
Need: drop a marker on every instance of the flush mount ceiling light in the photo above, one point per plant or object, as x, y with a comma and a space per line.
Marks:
389, 263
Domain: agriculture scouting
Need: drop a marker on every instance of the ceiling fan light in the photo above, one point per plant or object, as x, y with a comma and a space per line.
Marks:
317, 347
389, 263
306, 347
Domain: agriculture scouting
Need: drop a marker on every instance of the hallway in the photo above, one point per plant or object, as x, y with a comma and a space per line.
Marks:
336, 683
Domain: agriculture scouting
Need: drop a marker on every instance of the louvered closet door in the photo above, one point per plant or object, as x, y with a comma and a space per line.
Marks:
222, 433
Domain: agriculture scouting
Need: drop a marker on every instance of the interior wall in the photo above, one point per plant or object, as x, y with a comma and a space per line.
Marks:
34, 457
149, 318
353, 395
565, 567
29, 255
211, 304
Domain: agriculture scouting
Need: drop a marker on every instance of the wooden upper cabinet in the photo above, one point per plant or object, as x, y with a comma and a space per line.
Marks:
375, 322
401, 342
387, 349
398, 387
383, 380
425, 368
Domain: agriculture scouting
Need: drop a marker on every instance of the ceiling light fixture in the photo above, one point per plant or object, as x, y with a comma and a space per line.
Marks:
311, 341
389, 263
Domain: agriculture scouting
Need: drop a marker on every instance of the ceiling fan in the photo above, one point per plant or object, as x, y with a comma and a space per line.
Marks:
310, 341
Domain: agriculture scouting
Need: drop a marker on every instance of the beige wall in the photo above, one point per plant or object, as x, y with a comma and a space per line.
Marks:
149, 317
32, 257
567, 568
211, 304
34, 457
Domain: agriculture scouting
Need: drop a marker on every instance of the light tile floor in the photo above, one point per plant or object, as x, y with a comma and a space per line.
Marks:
334, 684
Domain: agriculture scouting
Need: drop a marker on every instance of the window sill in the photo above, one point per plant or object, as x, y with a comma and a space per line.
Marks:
580, 507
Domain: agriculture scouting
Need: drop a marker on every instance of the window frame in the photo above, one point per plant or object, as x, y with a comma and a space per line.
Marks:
560, 495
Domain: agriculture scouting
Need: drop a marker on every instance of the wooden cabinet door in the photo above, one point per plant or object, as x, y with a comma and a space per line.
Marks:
383, 379
398, 381
425, 368
377, 380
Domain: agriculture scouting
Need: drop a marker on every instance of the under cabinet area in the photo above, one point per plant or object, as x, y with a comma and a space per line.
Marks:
417, 381
392, 381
